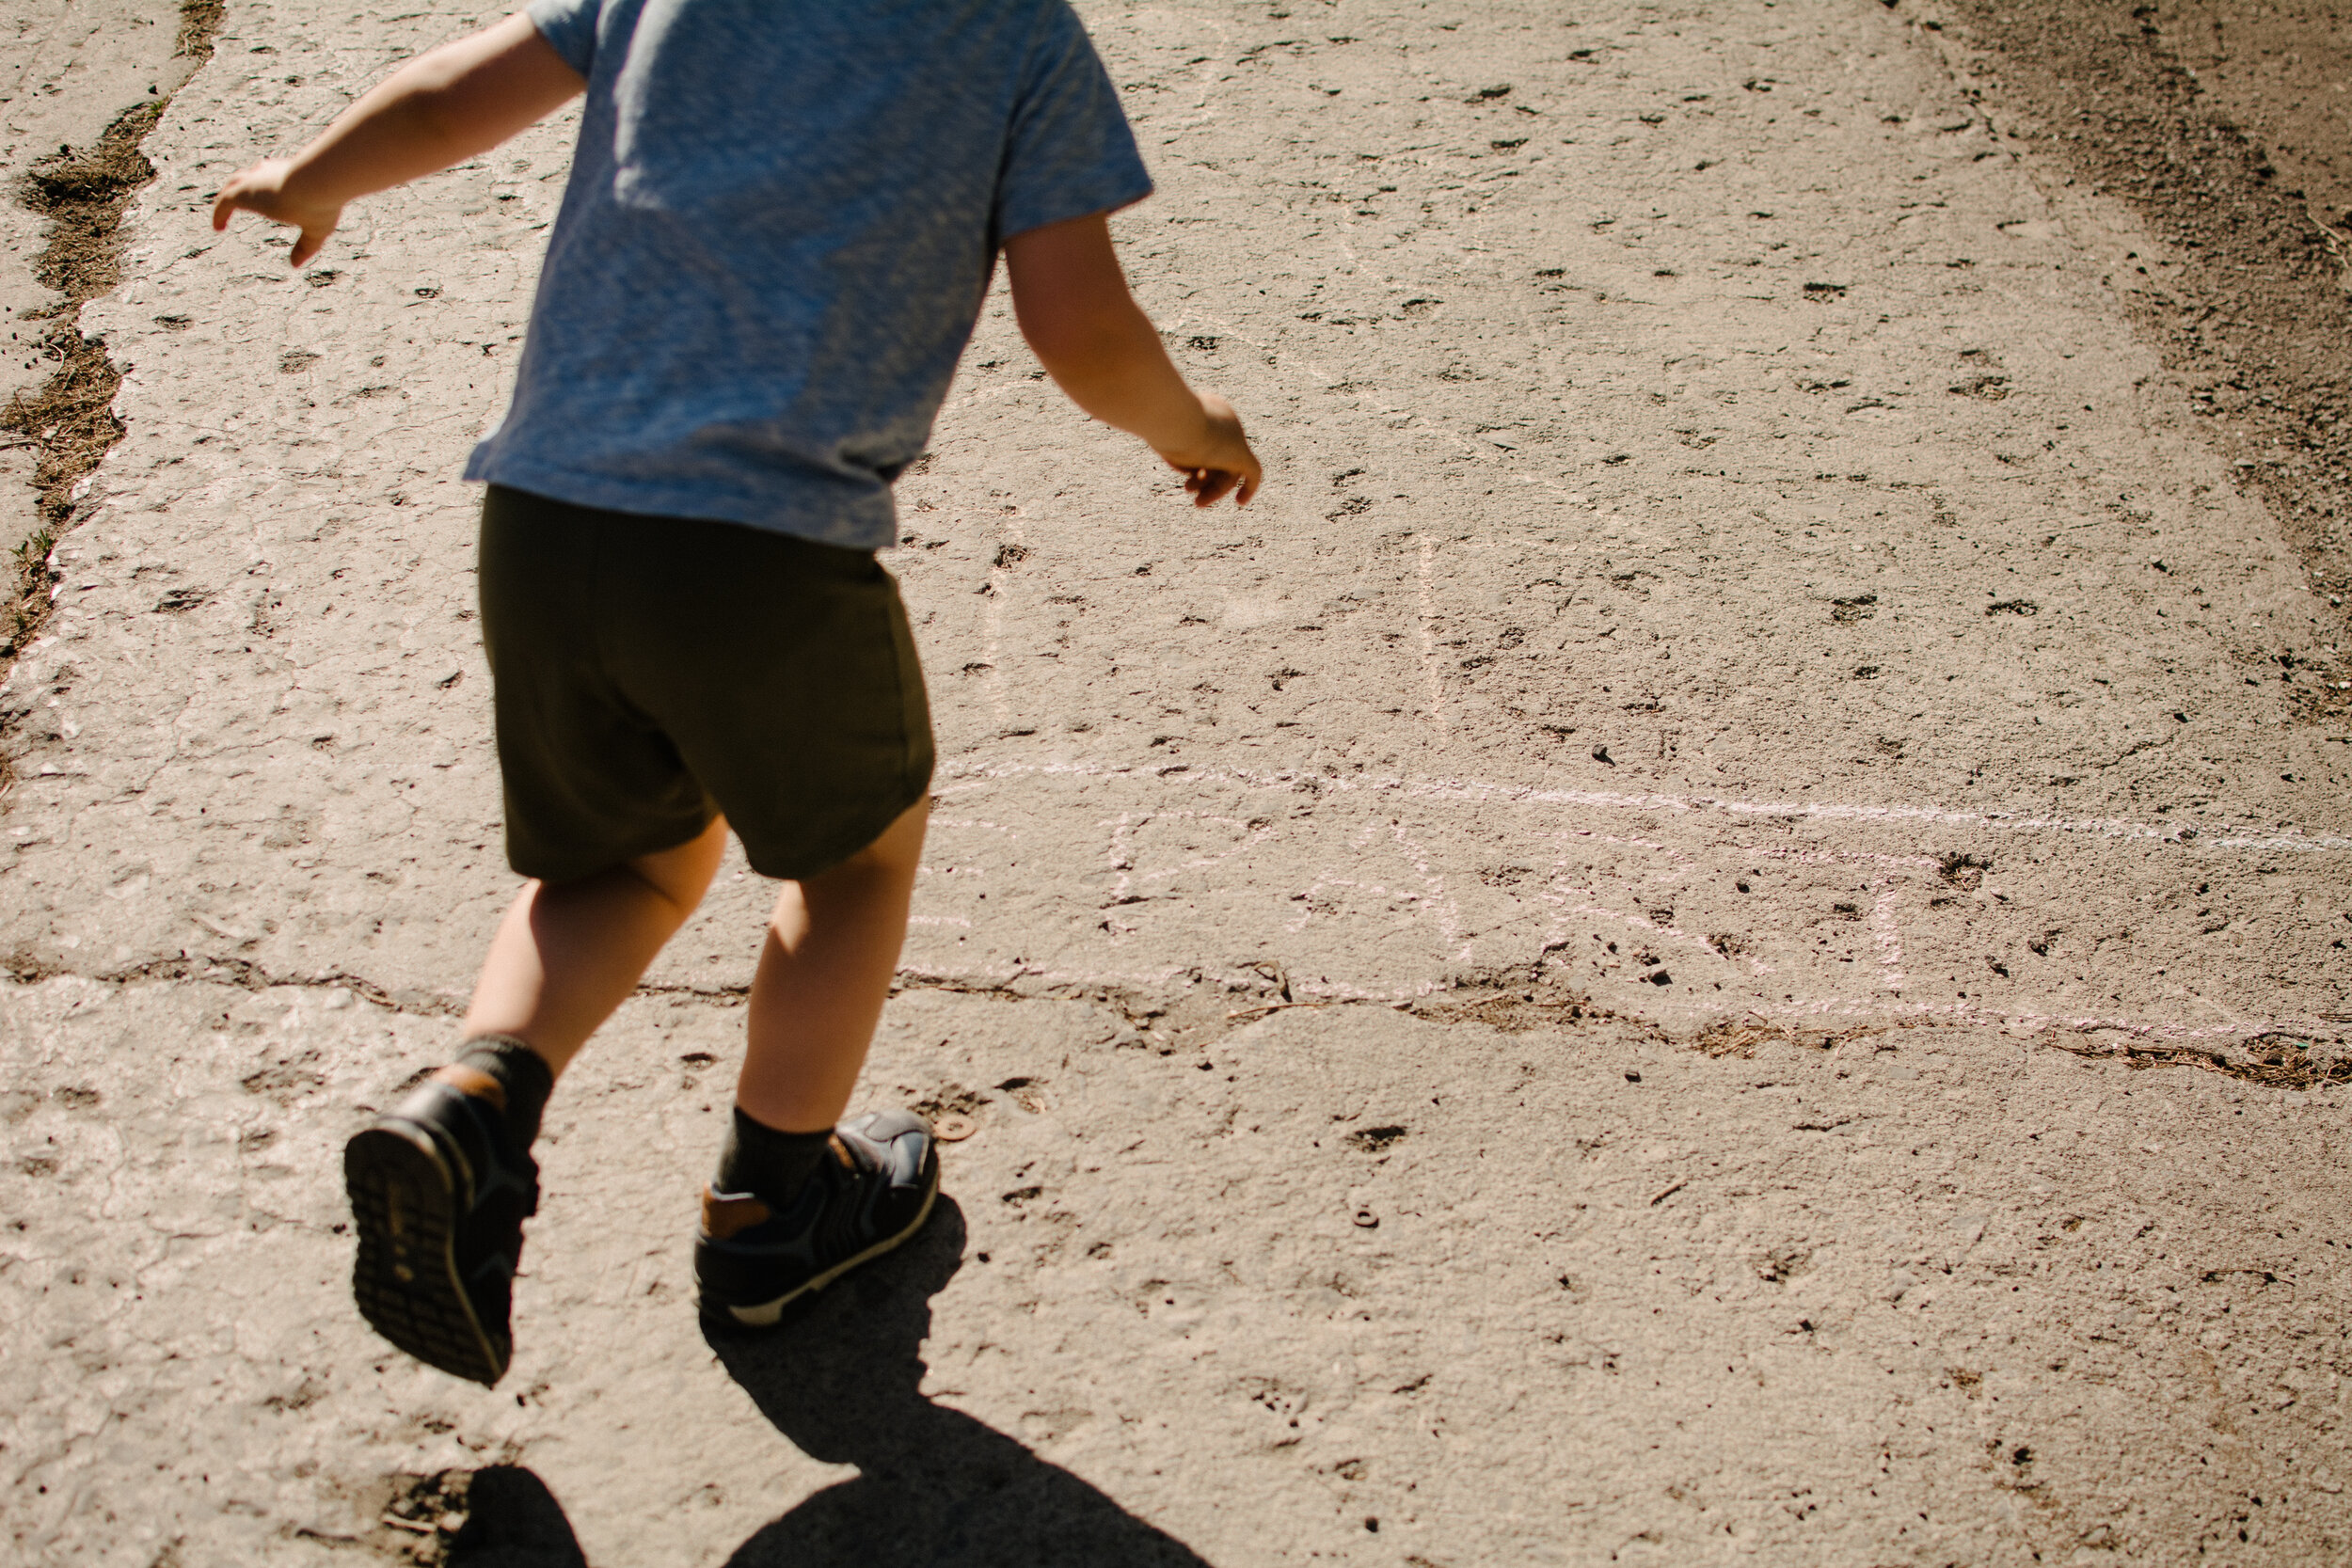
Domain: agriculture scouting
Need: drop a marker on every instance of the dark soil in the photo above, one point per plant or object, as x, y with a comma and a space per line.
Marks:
2258, 320
82, 192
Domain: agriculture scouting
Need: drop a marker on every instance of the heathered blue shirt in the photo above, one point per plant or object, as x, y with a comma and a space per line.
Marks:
779, 229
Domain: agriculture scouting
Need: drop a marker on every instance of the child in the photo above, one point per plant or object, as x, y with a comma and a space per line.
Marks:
780, 225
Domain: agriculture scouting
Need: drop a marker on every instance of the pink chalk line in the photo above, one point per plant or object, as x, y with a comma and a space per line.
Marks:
2291, 841
1860, 1009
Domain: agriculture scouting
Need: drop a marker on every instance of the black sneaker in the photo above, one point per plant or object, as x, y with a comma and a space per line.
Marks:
873, 1192
439, 1193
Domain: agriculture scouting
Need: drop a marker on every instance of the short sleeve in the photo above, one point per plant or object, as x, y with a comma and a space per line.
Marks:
1070, 151
570, 29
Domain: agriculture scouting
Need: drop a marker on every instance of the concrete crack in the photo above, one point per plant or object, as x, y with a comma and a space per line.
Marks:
2280, 1061
241, 972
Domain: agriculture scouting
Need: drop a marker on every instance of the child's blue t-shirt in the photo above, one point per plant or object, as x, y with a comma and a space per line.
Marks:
780, 225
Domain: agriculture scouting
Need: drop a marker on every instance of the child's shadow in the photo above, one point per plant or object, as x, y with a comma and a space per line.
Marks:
841, 1380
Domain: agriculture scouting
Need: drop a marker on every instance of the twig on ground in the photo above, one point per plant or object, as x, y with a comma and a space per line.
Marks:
2338, 245
1273, 1007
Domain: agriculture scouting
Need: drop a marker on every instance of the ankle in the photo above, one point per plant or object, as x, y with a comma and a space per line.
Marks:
771, 1164
521, 1077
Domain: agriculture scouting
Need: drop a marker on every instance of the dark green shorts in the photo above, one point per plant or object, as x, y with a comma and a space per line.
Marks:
651, 672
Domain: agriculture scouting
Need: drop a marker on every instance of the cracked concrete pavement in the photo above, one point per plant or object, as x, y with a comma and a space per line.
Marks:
1710, 934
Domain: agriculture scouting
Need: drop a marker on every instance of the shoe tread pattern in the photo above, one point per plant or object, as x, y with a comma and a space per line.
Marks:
403, 1205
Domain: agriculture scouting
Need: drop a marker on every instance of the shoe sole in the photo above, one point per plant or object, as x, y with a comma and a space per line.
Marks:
766, 1314
404, 1203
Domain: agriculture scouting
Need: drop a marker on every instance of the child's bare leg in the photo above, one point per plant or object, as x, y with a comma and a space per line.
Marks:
801, 1195
569, 952
824, 972
440, 1184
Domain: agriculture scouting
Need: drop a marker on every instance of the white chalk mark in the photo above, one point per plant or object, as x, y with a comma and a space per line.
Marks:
1434, 902
1652, 844
2290, 841
1890, 936
1122, 855
1429, 634
1883, 996
1869, 1011
1638, 922
1438, 901
993, 620
1836, 857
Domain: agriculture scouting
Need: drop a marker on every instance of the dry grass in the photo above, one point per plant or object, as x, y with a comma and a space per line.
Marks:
200, 20
70, 420
1740, 1036
82, 193
2280, 1061
30, 578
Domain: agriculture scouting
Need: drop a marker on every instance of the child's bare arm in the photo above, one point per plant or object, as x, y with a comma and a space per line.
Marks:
1072, 300
441, 108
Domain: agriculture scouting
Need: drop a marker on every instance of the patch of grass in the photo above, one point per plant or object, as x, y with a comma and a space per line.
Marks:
70, 418
82, 193
31, 578
199, 22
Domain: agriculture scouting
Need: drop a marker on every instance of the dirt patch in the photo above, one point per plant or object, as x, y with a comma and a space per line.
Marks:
2277, 1061
1739, 1037
499, 1513
1515, 1008
2252, 306
2279, 70
953, 1099
21, 968
70, 417
70, 420
199, 24
30, 578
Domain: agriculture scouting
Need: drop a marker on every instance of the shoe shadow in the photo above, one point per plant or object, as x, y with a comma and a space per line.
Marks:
512, 1521
841, 1379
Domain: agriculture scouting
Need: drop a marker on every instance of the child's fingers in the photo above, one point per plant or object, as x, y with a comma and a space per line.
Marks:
1209, 485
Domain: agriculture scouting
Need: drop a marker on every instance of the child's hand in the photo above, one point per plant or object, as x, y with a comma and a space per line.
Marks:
262, 189
446, 105
1071, 297
1219, 459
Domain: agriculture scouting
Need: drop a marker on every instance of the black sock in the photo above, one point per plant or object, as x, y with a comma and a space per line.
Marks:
522, 1072
772, 1165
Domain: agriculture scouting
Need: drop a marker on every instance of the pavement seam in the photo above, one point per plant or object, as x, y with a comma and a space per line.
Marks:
240, 973
2274, 1059
83, 192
